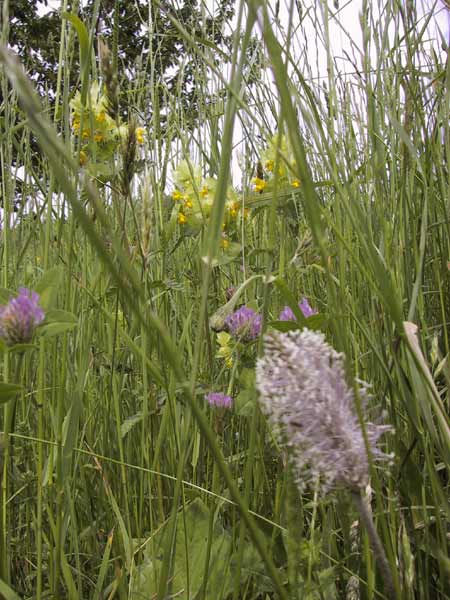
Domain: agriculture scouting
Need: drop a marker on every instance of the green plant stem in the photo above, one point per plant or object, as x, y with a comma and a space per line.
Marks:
391, 591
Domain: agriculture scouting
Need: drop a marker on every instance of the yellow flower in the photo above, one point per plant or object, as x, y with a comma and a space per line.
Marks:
101, 117
86, 133
269, 165
76, 125
224, 243
98, 137
259, 184
204, 191
140, 135
296, 183
223, 338
181, 218
83, 157
188, 203
177, 196
225, 352
234, 208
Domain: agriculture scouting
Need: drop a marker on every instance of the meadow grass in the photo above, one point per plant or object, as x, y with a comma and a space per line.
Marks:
118, 478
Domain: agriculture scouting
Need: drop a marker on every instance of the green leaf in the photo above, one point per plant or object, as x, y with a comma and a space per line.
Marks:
52, 329
285, 325
21, 348
247, 378
314, 322
9, 391
189, 555
60, 316
244, 403
129, 423
47, 287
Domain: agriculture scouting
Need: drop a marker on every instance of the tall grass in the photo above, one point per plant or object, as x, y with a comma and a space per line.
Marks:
118, 479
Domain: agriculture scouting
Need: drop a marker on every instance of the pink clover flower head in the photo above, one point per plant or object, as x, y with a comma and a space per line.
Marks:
244, 324
219, 399
303, 391
288, 315
20, 317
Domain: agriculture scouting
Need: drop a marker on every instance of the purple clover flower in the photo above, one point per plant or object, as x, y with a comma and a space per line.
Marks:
219, 399
244, 324
303, 392
287, 313
20, 317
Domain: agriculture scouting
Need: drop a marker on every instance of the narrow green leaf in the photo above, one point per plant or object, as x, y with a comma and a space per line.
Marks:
6, 592
8, 391
83, 37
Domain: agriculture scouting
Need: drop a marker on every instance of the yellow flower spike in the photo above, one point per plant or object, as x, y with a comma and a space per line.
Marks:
259, 184
234, 209
140, 131
76, 125
182, 218
98, 137
224, 243
188, 203
101, 117
83, 157
86, 133
177, 196
204, 191
296, 183
269, 165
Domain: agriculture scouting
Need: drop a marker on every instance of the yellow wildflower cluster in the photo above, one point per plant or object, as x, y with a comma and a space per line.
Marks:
278, 154
100, 134
194, 196
225, 351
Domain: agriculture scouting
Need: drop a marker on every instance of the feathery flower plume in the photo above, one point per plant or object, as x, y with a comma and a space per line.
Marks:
219, 399
244, 324
287, 313
20, 317
302, 387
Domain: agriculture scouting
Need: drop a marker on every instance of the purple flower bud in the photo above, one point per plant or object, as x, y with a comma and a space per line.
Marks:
244, 324
20, 317
303, 391
219, 399
287, 313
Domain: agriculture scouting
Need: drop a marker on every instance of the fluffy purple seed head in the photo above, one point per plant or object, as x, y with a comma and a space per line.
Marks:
288, 315
244, 324
20, 317
303, 391
219, 399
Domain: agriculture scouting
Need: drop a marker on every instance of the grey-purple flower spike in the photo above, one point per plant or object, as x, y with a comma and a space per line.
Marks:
302, 390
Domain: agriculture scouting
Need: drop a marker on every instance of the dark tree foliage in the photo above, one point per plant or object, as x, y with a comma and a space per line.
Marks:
123, 26
36, 39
